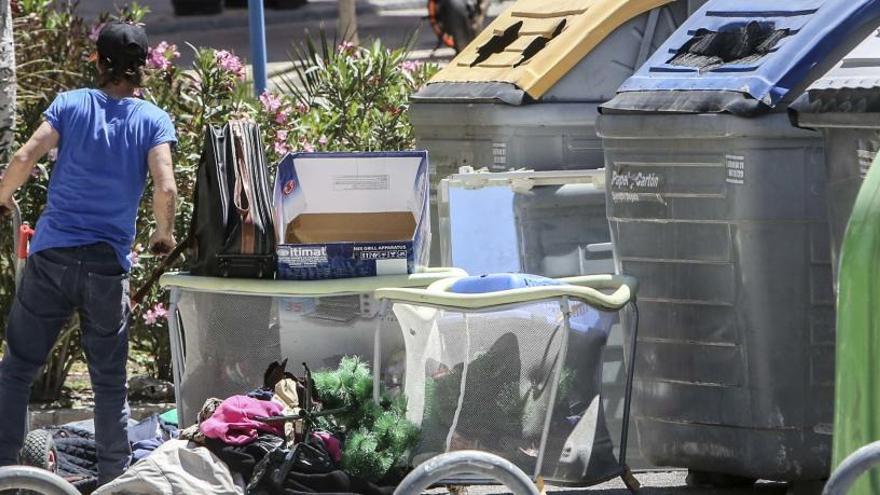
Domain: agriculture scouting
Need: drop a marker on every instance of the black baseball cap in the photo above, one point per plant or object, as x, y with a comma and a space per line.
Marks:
123, 45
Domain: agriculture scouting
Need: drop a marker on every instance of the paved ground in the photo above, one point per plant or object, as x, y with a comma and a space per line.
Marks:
653, 483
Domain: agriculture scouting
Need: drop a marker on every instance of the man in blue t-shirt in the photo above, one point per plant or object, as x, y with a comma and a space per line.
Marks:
107, 142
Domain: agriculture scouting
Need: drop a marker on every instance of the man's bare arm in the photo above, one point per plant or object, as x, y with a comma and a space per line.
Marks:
164, 198
25, 159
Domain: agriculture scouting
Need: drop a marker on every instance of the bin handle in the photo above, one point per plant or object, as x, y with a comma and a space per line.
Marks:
585, 288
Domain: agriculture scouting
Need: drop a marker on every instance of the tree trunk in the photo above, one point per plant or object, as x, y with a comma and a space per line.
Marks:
347, 29
7, 81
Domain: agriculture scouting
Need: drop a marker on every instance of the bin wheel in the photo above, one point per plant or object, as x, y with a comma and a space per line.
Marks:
39, 451
708, 479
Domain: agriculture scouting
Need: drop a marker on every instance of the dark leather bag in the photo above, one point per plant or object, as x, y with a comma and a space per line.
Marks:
232, 229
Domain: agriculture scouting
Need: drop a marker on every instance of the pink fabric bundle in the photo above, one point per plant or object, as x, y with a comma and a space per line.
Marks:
233, 422
331, 444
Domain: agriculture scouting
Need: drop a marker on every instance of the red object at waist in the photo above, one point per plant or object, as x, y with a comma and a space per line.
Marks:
25, 232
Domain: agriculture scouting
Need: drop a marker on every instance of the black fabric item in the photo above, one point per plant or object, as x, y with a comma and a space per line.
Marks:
123, 45
232, 228
332, 483
242, 459
708, 50
310, 470
261, 394
77, 453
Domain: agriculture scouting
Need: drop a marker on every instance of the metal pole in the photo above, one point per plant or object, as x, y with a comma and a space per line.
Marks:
565, 308
178, 356
258, 44
377, 351
630, 376
347, 29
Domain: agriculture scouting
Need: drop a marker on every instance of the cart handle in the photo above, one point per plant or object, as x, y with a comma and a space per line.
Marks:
585, 288
445, 466
852, 468
34, 479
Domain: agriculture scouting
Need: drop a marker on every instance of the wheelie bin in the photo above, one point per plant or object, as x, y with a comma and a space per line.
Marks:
525, 92
845, 105
717, 204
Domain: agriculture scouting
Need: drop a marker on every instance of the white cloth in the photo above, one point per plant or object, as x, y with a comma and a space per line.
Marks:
176, 467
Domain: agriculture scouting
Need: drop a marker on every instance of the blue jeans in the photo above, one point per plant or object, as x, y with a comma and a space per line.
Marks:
57, 283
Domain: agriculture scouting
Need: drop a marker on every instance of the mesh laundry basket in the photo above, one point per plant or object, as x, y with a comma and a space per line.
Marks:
225, 332
513, 369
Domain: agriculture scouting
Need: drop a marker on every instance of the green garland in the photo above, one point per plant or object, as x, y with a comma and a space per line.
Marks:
377, 436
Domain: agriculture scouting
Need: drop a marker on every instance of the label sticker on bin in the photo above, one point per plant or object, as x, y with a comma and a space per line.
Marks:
736, 169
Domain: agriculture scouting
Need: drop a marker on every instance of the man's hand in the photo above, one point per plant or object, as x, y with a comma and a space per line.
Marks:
6, 208
161, 244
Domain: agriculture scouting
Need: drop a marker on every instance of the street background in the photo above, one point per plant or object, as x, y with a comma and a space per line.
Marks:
394, 21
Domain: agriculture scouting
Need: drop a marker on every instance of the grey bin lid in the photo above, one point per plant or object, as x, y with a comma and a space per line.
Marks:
851, 87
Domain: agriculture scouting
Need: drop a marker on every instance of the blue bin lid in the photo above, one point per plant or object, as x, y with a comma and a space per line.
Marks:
496, 282
804, 38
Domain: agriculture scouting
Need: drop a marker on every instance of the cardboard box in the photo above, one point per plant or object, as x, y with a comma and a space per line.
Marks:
341, 215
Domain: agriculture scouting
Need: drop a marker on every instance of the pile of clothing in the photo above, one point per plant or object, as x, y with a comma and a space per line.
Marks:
76, 449
278, 439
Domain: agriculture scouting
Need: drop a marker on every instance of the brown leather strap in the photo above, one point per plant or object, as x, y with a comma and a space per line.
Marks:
243, 192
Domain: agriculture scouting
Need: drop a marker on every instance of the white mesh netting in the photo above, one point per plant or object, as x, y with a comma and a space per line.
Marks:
229, 340
483, 381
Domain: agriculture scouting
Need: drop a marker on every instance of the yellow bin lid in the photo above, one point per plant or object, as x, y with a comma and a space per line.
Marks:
542, 39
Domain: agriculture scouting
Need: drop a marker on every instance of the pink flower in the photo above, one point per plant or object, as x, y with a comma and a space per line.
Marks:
301, 107
409, 66
156, 313
346, 47
138, 93
281, 116
281, 148
271, 103
95, 31
134, 258
230, 63
160, 311
281, 142
307, 146
160, 56
322, 140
